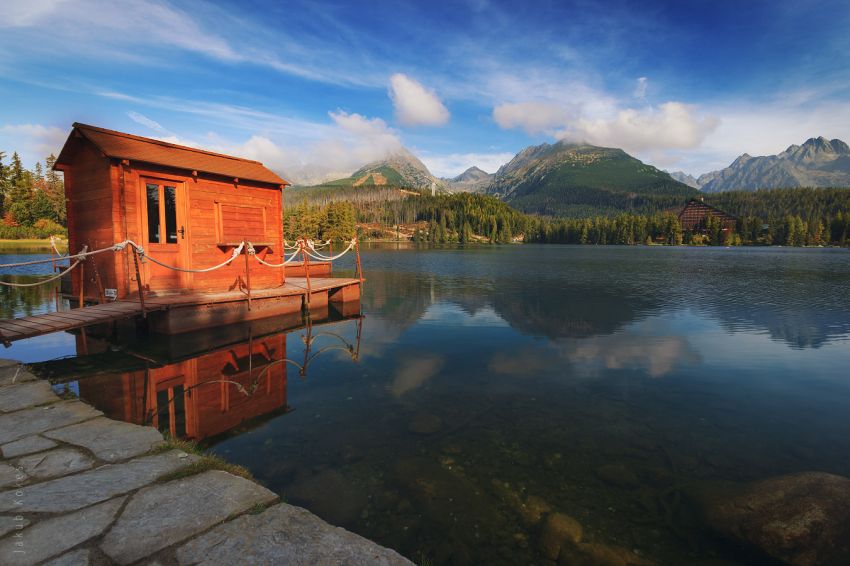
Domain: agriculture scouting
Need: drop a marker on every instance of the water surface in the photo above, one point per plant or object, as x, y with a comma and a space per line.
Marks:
491, 385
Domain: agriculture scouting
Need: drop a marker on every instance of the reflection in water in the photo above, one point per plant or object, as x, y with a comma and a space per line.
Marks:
200, 396
609, 385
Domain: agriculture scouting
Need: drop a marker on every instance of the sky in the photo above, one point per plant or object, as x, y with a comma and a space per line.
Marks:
316, 89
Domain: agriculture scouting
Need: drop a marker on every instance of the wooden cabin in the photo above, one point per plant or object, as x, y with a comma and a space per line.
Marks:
187, 207
693, 215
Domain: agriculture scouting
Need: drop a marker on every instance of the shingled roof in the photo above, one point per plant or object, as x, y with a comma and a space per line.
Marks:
119, 145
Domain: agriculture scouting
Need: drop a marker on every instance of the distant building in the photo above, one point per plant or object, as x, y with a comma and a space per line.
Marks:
693, 216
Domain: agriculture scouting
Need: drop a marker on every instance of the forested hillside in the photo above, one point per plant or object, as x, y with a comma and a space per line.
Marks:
32, 202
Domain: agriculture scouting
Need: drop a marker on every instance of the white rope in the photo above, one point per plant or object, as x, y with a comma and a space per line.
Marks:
43, 281
316, 255
236, 251
55, 249
253, 252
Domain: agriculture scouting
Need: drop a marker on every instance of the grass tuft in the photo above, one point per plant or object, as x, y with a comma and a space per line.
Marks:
204, 462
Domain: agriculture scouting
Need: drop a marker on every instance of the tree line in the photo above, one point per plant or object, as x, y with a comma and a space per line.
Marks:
792, 217
32, 202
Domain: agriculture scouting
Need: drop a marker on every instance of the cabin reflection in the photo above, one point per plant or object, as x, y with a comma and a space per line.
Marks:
224, 388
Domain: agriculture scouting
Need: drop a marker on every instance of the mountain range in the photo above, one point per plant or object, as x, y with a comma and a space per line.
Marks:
575, 179
400, 169
819, 162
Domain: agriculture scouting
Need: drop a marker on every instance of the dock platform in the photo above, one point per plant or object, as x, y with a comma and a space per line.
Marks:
176, 313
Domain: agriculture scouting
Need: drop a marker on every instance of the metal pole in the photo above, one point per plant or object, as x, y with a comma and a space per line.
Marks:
306, 263
248, 277
359, 266
139, 282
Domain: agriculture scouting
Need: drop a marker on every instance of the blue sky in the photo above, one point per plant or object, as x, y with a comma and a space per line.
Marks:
315, 89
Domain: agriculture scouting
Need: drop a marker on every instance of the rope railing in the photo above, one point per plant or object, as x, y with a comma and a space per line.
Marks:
321, 257
43, 281
306, 248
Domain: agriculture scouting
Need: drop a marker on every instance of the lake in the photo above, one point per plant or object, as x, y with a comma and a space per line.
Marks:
486, 387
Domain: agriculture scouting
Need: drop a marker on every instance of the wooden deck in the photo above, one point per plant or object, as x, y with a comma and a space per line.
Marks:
37, 325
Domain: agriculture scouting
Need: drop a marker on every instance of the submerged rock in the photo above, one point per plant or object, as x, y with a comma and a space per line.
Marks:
596, 554
424, 423
802, 519
558, 530
617, 475
330, 495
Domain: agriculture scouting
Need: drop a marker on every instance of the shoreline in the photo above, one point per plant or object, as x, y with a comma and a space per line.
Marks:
82, 488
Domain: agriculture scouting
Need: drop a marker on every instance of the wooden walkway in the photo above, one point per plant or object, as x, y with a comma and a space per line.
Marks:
37, 325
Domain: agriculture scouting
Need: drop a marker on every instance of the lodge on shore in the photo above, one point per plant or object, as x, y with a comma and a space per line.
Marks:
693, 216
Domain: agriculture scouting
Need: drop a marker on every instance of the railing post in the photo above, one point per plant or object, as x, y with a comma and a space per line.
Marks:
248, 275
306, 262
82, 282
139, 282
359, 266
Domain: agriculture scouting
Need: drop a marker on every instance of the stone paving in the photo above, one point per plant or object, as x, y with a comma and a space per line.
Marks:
77, 488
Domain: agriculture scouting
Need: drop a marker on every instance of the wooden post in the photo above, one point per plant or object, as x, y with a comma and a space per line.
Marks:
82, 282
139, 282
306, 263
248, 276
101, 295
359, 266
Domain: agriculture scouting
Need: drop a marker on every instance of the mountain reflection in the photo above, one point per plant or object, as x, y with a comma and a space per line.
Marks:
799, 302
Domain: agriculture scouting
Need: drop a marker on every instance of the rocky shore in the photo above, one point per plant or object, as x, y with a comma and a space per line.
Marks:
78, 488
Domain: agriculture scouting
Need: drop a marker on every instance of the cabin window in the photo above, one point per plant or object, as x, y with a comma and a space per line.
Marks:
153, 214
171, 411
162, 213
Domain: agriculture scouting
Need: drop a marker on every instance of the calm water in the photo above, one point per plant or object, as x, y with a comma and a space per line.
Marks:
489, 385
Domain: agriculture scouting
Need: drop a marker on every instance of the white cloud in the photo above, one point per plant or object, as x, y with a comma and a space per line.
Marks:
672, 125
640, 88
453, 164
534, 116
414, 104
145, 121
33, 142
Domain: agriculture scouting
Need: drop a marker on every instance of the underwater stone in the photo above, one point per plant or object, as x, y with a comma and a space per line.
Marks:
617, 475
802, 519
558, 530
596, 554
424, 423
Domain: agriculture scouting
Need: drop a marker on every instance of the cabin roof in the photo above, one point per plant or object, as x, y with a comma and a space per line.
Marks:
698, 202
119, 145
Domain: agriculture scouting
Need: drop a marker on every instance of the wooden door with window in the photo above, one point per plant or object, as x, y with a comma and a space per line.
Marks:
164, 213
169, 398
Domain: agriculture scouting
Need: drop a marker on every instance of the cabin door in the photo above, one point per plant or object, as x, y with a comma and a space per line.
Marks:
164, 214
169, 399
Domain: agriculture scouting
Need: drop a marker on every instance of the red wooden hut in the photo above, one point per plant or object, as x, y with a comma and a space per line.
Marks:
189, 209
185, 206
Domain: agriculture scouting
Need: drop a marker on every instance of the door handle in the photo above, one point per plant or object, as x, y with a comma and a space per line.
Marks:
182, 231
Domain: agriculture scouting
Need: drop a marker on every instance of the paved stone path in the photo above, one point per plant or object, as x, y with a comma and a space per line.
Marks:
77, 488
